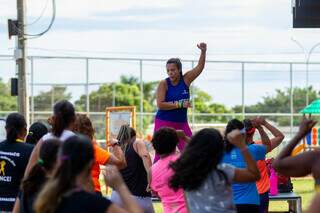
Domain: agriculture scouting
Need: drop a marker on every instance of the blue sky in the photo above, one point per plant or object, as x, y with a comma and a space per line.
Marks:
233, 29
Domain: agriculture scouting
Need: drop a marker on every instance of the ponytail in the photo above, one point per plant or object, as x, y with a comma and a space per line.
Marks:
75, 156
47, 160
125, 134
36, 131
12, 134
35, 179
64, 115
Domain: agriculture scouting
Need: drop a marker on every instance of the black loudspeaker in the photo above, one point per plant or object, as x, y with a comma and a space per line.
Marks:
14, 86
13, 28
306, 14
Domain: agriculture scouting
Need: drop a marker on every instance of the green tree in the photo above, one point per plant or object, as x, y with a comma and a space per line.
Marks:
45, 100
149, 88
280, 103
204, 104
127, 93
7, 102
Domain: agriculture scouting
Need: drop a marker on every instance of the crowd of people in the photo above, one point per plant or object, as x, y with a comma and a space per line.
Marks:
57, 169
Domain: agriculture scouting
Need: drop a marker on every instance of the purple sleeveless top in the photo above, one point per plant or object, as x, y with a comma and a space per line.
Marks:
175, 93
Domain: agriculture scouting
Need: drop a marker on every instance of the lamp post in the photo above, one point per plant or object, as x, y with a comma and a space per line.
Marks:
307, 56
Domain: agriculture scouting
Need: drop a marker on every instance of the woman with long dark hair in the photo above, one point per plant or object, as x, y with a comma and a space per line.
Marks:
245, 195
62, 123
39, 174
66, 190
173, 96
137, 173
84, 126
205, 179
14, 155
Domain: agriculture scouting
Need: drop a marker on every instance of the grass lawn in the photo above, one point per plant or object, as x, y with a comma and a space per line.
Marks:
304, 187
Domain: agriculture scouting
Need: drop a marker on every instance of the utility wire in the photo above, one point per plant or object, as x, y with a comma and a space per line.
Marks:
33, 36
40, 16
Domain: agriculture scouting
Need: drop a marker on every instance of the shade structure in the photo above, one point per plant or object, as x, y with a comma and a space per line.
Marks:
313, 108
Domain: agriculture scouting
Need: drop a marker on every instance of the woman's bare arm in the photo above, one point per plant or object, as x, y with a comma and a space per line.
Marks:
161, 96
33, 157
300, 165
191, 75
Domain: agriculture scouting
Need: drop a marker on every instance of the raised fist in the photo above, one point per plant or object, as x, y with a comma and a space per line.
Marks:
202, 46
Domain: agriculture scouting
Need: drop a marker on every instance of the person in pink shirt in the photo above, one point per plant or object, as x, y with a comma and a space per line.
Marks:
164, 142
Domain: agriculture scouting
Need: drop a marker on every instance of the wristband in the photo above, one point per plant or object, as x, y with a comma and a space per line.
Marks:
180, 104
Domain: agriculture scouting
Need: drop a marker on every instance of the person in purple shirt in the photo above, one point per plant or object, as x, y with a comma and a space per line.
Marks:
173, 96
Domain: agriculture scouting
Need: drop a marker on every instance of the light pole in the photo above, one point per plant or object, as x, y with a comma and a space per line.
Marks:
20, 55
307, 56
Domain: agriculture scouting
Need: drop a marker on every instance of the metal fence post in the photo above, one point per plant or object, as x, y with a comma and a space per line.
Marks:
141, 96
291, 101
87, 88
192, 98
32, 91
242, 90
113, 94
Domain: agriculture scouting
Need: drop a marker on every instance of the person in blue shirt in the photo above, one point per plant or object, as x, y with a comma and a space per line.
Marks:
245, 195
173, 96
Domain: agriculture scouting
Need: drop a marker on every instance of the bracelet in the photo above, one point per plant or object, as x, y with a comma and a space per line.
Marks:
180, 103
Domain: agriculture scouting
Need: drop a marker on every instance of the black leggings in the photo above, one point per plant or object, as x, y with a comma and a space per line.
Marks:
247, 208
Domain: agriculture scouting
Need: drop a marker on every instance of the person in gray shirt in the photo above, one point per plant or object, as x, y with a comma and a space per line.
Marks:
207, 181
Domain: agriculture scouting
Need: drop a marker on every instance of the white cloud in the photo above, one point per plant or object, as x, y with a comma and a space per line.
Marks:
230, 27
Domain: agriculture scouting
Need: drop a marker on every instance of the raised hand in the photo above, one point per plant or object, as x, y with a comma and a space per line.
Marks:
236, 138
202, 46
112, 177
260, 120
306, 125
113, 142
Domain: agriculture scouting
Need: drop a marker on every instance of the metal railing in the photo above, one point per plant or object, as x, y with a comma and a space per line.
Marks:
241, 69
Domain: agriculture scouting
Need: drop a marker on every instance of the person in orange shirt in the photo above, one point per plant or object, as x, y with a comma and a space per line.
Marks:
84, 126
263, 185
